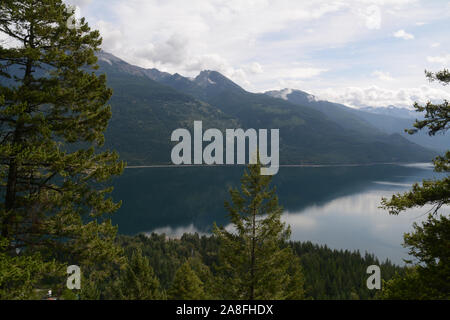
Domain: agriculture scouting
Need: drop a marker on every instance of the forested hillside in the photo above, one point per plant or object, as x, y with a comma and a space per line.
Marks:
145, 114
328, 274
367, 121
147, 105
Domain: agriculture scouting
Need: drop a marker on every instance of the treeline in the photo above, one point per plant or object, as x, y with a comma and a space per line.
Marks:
328, 273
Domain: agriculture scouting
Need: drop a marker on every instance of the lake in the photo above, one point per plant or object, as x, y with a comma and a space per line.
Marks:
332, 205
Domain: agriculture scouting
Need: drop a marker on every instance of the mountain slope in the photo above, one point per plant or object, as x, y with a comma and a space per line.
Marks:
333, 111
392, 111
145, 112
392, 124
389, 120
148, 105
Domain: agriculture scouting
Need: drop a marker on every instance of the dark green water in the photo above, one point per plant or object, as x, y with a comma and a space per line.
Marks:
337, 206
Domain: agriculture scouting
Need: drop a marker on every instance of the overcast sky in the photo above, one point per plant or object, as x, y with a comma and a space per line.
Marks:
357, 52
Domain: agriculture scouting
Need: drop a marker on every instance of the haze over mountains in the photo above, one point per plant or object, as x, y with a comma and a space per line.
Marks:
148, 105
389, 119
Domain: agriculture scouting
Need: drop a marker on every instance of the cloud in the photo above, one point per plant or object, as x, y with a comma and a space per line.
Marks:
220, 27
375, 96
384, 76
254, 68
373, 17
112, 36
300, 72
261, 43
8, 42
403, 35
443, 59
173, 51
79, 3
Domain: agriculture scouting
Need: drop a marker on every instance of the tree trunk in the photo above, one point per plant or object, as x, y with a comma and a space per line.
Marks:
10, 196
252, 267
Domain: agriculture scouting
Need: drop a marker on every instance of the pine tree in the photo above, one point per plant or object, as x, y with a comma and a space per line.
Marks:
19, 274
205, 275
295, 286
186, 285
138, 281
53, 113
431, 192
430, 242
430, 278
254, 260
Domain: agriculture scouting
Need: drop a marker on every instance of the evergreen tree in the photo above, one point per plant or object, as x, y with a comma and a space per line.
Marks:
430, 279
138, 281
431, 192
327, 273
296, 283
254, 260
53, 112
19, 274
430, 242
205, 275
186, 285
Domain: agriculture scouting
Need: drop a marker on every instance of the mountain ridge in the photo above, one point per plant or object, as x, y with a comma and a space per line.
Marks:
307, 135
389, 119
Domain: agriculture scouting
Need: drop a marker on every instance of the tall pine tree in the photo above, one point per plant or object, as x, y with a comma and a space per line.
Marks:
429, 244
53, 113
254, 260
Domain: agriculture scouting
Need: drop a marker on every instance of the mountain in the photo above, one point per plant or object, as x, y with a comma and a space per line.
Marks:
145, 112
148, 105
389, 120
334, 112
392, 111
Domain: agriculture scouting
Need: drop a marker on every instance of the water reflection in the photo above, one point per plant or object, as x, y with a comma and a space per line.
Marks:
337, 206
355, 222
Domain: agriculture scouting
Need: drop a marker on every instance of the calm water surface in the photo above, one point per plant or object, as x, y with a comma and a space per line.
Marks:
336, 206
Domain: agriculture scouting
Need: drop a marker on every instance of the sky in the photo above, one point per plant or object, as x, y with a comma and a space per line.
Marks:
356, 52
